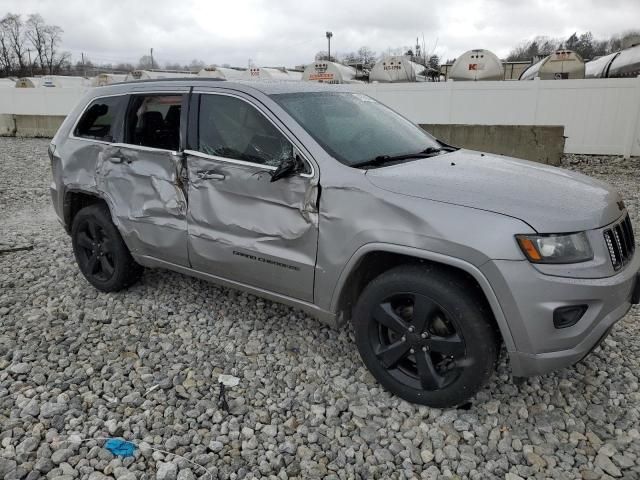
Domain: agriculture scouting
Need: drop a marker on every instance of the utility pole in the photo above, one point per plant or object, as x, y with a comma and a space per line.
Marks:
30, 64
151, 58
329, 35
84, 70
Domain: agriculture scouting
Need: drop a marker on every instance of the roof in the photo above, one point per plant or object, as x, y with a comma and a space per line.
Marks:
264, 86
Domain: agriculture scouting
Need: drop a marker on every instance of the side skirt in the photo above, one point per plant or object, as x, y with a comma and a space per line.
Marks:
324, 316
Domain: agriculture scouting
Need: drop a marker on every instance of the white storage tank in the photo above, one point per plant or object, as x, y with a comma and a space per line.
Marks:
329, 72
561, 65
154, 75
265, 73
62, 81
599, 67
28, 82
397, 68
107, 79
222, 73
476, 64
626, 63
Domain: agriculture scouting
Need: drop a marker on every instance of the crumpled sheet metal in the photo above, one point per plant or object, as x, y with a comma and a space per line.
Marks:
405, 223
146, 200
252, 230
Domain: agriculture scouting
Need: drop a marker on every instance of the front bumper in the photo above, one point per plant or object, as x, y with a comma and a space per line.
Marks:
528, 299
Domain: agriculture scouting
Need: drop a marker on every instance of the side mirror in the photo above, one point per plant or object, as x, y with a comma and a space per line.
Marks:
287, 168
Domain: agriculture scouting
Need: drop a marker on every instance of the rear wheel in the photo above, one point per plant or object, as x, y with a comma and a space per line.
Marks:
425, 336
100, 252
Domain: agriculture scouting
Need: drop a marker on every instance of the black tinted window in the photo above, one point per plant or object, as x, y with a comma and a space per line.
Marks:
97, 121
154, 121
231, 128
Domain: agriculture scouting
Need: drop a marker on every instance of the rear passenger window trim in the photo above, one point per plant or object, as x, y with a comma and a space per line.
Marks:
72, 133
189, 151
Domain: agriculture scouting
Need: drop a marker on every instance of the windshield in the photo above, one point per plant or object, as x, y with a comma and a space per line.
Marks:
354, 128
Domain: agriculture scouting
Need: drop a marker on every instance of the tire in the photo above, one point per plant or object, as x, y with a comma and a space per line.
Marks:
100, 252
425, 335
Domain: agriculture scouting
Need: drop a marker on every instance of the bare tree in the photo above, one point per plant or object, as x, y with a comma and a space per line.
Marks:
54, 58
15, 33
6, 53
195, 65
36, 34
146, 63
366, 55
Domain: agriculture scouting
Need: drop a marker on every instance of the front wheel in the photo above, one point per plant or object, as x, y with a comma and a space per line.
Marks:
425, 336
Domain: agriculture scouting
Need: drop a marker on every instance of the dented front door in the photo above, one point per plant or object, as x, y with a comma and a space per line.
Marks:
146, 196
244, 227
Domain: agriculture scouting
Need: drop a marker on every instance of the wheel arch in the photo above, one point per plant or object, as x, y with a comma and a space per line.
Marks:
75, 199
374, 259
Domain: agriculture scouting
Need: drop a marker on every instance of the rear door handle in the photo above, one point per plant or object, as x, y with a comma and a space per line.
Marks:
117, 158
210, 175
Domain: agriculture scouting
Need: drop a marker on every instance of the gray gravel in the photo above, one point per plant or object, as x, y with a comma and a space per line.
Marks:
77, 365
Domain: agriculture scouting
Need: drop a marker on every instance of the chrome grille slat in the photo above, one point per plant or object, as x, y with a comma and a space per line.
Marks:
620, 243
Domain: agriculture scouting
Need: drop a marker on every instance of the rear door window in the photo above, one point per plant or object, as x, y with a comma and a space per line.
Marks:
97, 121
154, 121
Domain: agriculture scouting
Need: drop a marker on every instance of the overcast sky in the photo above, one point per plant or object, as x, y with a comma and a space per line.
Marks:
290, 32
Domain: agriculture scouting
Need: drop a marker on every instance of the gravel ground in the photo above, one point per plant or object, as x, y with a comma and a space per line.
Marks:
77, 366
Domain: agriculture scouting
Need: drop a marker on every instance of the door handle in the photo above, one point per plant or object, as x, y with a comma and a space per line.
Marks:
117, 158
210, 175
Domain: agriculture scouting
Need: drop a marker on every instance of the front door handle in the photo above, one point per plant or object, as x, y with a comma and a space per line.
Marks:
210, 175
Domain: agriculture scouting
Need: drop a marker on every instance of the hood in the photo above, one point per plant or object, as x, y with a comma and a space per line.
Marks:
549, 199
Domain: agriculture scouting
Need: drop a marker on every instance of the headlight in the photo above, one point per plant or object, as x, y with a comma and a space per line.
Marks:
569, 248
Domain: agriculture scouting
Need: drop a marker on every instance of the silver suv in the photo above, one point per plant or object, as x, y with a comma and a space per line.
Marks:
328, 201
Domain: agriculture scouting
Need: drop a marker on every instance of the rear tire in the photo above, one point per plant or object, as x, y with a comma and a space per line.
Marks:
101, 254
425, 335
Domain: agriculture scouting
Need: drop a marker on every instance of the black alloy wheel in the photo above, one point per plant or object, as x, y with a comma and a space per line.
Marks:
417, 341
95, 250
426, 334
100, 252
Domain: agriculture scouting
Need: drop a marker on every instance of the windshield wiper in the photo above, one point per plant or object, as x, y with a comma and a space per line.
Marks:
382, 159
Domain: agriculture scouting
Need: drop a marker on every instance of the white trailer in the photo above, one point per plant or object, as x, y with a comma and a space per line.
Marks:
329, 72
154, 75
396, 69
107, 79
222, 73
475, 65
560, 65
265, 73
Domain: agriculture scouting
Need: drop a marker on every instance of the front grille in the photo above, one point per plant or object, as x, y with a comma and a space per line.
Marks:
620, 243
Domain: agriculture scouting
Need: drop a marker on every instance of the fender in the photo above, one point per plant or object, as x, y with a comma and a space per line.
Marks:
436, 258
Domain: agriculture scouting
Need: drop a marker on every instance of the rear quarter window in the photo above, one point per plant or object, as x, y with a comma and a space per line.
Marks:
98, 120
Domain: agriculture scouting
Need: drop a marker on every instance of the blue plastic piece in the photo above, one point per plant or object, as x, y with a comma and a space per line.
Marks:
120, 448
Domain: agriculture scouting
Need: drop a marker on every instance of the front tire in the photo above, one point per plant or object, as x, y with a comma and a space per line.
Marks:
101, 254
425, 335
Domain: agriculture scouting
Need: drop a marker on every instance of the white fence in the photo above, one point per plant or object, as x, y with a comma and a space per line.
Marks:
600, 116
